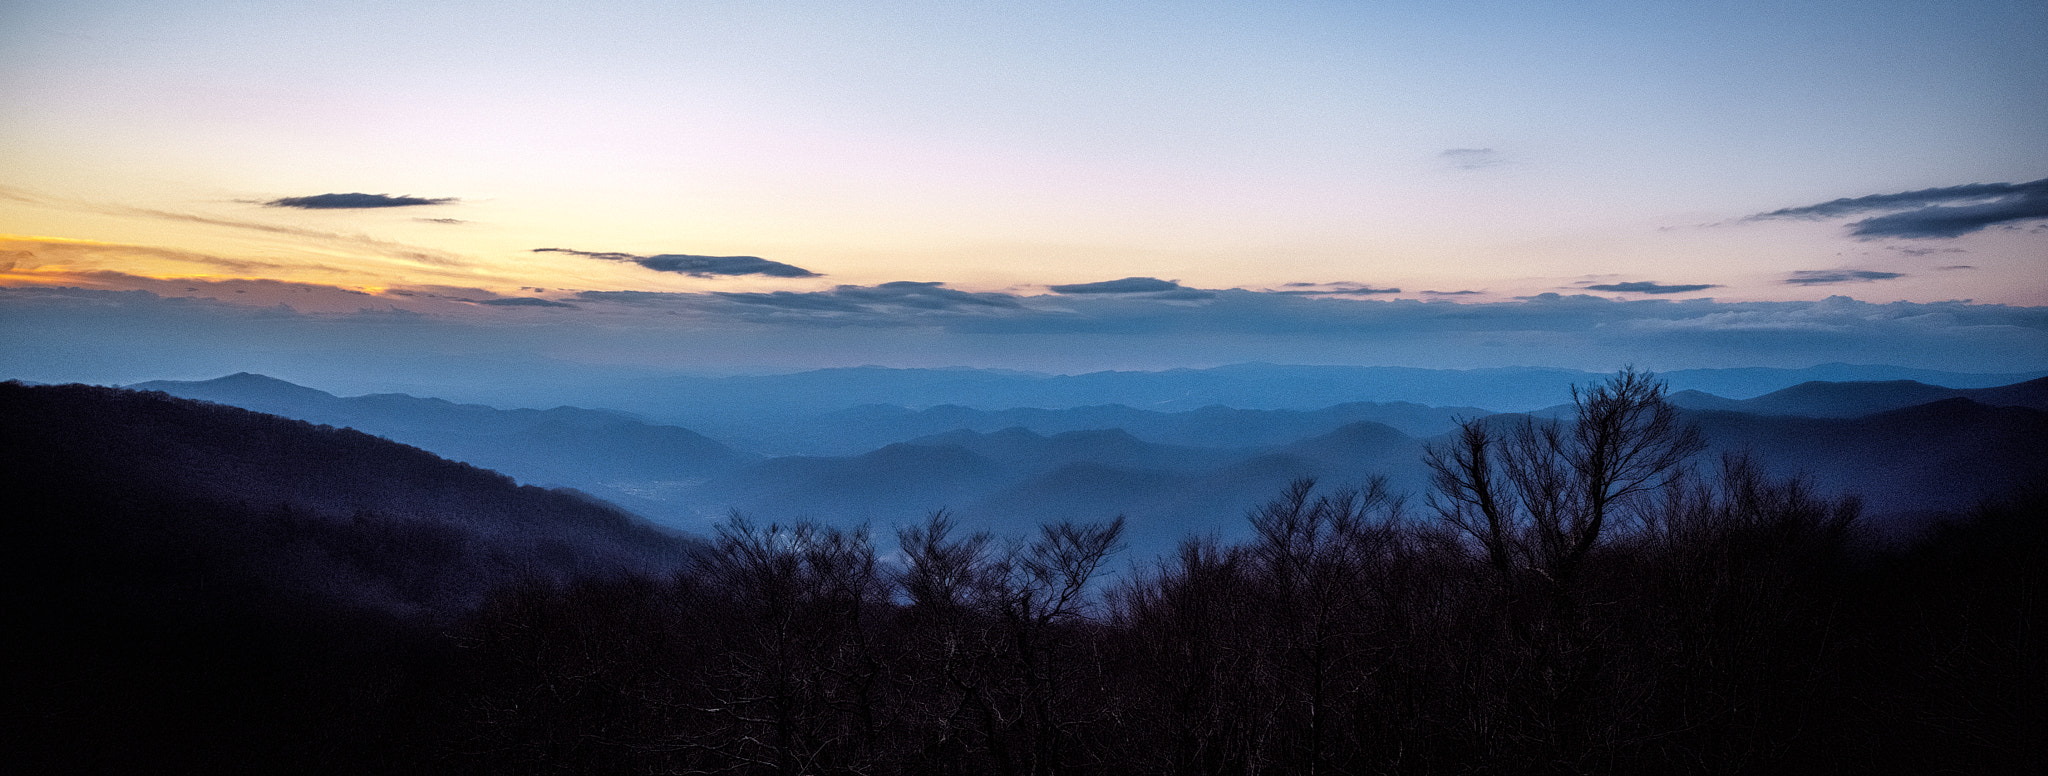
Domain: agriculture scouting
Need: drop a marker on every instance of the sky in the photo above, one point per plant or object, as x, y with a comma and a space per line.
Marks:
189, 186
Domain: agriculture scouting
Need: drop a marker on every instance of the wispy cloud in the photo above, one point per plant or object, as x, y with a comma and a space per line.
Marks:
889, 305
1952, 211
355, 242
888, 299
60, 255
1335, 289
697, 266
1472, 158
523, 301
362, 242
1821, 277
355, 201
1647, 287
1922, 251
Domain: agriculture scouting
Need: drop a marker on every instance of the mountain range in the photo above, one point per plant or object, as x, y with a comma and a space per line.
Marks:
1908, 448
715, 404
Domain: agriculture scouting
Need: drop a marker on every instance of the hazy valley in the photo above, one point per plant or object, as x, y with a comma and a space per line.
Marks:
1909, 449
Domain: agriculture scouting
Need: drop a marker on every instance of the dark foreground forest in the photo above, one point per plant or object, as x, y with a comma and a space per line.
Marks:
196, 587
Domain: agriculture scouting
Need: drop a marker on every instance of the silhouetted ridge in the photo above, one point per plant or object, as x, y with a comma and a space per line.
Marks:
238, 388
2032, 394
1940, 456
192, 587
1846, 400
251, 485
1819, 399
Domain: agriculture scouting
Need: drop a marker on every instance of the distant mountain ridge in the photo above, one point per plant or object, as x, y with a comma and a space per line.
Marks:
588, 449
1819, 399
1169, 472
854, 430
706, 402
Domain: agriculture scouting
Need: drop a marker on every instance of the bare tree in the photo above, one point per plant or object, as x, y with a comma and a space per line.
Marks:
1317, 562
1540, 495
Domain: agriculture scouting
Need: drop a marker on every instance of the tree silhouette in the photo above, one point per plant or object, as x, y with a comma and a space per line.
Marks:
1538, 495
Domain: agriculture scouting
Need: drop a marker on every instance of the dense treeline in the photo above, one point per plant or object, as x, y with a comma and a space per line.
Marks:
1742, 634
1570, 598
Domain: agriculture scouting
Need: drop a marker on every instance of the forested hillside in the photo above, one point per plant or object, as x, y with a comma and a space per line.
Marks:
202, 587
180, 576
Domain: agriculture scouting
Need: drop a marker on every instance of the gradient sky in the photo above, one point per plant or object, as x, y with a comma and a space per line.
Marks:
1042, 185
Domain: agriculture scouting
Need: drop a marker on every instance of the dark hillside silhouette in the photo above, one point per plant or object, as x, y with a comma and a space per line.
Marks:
1856, 399
179, 574
1940, 457
2032, 394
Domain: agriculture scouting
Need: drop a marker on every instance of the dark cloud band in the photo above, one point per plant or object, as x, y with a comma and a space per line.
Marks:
1947, 212
355, 201
1821, 277
1647, 287
524, 301
1152, 288
1124, 286
698, 266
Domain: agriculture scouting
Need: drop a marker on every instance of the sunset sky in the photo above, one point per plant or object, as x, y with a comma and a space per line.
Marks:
1041, 185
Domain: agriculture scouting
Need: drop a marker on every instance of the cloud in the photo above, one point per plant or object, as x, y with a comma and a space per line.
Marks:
57, 257
1360, 290
1153, 288
1472, 158
360, 242
1646, 287
524, 301
1452, 293
1923, 251
357, 242
57, 333
1820, 277
898, 297
355, 201
442, 220
1940, 213
894, 304
1124, 286
698, 266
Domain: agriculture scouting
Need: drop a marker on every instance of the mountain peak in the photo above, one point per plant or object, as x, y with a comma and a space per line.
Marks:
237, 389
